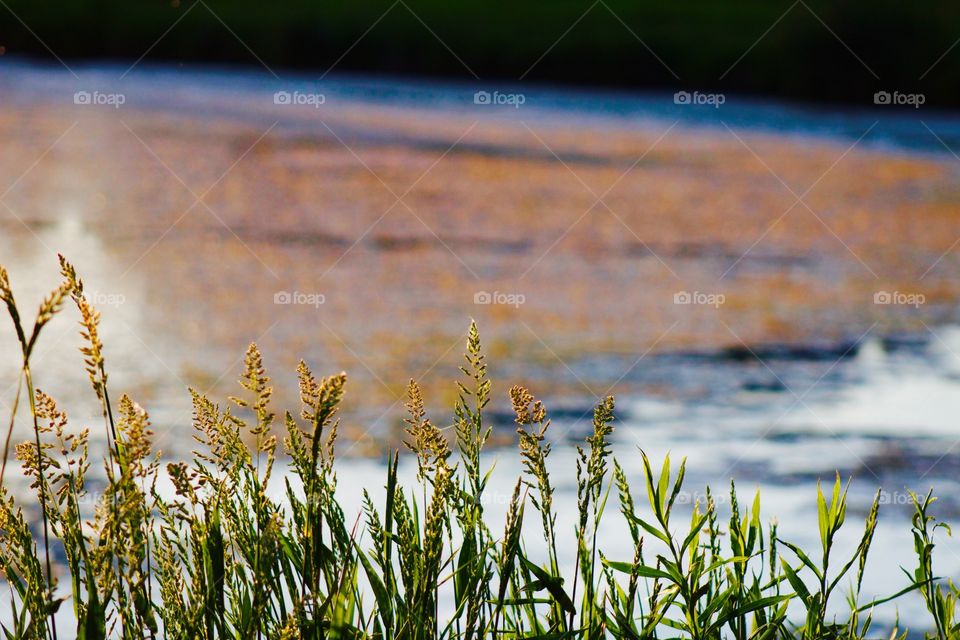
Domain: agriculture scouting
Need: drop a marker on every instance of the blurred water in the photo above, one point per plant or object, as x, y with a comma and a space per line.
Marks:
218, 91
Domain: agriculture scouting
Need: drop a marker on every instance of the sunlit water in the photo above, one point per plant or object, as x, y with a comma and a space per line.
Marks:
840, 389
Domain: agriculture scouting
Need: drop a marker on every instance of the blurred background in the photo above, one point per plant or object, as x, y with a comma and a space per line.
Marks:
803, 49
740, 218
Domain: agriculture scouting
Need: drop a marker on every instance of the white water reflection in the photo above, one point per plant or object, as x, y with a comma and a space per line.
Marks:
130, 348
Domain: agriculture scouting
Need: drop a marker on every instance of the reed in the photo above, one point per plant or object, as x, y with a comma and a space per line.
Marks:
222, 557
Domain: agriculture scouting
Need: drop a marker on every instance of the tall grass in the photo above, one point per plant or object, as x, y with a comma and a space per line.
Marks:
220, 556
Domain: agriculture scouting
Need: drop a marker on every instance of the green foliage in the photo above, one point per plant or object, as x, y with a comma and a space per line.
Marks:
223, 557
816, 50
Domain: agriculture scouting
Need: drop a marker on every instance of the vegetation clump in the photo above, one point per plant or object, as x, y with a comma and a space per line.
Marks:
225, 554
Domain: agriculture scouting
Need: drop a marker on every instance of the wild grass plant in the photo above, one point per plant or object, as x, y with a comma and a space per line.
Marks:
222, 556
